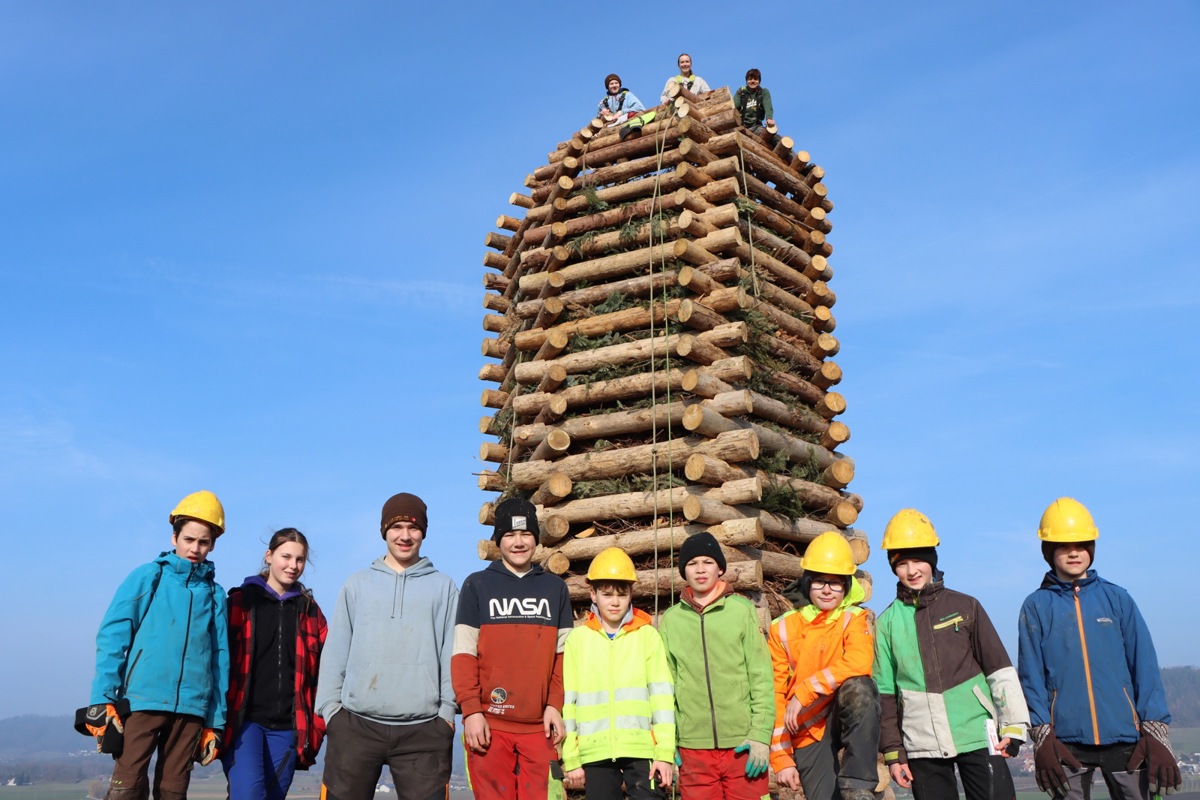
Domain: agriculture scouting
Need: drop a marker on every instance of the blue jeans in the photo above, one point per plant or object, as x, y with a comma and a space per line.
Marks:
259, 763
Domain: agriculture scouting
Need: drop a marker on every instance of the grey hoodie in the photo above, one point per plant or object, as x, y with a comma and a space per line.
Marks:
387, 656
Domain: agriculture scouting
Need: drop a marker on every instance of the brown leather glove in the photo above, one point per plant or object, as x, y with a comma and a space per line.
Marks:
1153, 751
1049, 755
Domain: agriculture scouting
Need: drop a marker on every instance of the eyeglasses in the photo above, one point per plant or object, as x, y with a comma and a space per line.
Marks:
833, 586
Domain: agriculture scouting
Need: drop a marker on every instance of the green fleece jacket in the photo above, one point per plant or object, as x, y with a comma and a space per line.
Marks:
724, 686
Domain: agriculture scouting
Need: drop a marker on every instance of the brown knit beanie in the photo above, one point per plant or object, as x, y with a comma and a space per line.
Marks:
403, 507
609, 77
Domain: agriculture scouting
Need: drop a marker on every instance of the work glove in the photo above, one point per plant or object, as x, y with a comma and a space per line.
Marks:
208, 747
756, 762
1153, 751
103, 721
1049, 755
1014, 747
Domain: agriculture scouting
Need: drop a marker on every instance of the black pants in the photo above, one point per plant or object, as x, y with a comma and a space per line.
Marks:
854, 725
984, 777
418, 756
603, 779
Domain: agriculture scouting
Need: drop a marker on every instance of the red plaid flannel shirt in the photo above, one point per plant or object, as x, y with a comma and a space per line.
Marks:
310, 638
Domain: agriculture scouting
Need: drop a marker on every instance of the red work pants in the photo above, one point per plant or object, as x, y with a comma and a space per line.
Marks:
515, 767
717, 775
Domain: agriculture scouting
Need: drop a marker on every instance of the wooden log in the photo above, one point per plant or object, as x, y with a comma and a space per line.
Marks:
601, 269
742, 576
493, 372
698, 419
491, 481
632, 386
491, 451
664, 540
629, 319
732, 446
719, 270
607, 426
555, 376
553, 445
703, 348
558, 564
828, 375
520, 200
556, 488
493, 399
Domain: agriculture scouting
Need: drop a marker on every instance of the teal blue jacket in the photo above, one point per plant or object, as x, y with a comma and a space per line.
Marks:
164, 642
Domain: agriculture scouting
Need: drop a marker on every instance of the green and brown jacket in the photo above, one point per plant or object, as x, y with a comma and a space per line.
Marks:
942, 673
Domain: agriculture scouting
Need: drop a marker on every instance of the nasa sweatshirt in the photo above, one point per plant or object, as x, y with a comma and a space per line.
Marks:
508, 646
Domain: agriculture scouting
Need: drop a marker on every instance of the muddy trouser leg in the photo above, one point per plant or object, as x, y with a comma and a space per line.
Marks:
355, 751
818, 768
419, 758
984, 776
933, 779
856, 712
636, 772
129, 780
602, 780
177, 742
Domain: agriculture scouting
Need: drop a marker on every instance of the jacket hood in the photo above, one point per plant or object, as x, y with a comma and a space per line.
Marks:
856, 595
634, 619
498, 566
423, 567
921, 597
259, 583
168, 562
689, 597
1055, 584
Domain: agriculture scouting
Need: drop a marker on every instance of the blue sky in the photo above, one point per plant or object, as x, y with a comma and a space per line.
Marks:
241, 245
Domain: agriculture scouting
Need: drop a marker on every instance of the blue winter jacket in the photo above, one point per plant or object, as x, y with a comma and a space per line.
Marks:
1087, 663
164, 642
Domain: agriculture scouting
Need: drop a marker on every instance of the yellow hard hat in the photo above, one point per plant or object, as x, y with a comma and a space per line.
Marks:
612, 564
829, 553
1067, 520
909, 528
204, 506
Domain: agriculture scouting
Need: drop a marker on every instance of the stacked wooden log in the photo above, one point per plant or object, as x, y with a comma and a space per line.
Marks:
660, 346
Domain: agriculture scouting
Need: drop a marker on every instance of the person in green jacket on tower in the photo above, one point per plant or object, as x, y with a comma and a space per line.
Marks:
724, 684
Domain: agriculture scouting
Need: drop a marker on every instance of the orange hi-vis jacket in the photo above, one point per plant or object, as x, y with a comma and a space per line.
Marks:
813, 652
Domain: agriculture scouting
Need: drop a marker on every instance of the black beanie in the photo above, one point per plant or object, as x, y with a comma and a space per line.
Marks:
403, 507
515, 514
926, 554
700, 544
1048, 549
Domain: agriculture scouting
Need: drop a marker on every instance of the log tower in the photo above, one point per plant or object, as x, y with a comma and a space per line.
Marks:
659, 354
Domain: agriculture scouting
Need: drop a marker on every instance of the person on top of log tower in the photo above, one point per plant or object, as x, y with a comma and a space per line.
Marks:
622, 107
950, 694
825, 699
753, 103
162, 661
686, 78
724, 686
384, 689
619, 703
513, 620
1090, 672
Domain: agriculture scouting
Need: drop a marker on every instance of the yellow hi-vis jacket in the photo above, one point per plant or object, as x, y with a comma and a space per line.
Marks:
619, 699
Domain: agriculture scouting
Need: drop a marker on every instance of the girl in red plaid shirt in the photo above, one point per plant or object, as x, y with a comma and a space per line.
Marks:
276, 631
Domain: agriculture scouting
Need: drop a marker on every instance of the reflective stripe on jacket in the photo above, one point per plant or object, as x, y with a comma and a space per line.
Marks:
619, 699
813, 652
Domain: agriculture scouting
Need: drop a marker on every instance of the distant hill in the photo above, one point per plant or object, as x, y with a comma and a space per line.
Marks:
32, 736
1183, 695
